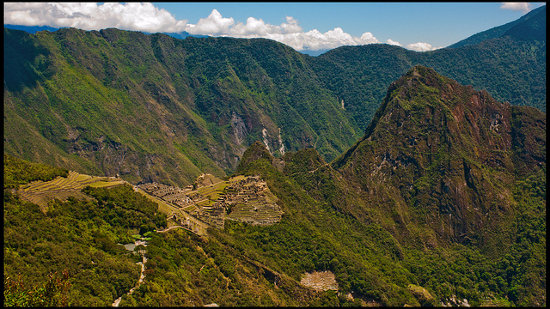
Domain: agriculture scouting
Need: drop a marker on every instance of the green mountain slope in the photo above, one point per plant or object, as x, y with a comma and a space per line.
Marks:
510, 64
438, 170
447, 153
360, 218
509, 69
151, 107
68, 253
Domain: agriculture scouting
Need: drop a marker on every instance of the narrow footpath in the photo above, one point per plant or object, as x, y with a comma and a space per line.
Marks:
141, 275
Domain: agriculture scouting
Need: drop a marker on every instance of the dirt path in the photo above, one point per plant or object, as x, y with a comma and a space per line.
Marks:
140, 281
170, 228
142, 263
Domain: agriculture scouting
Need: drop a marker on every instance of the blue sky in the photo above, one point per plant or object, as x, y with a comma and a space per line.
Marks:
304, 26
440, 24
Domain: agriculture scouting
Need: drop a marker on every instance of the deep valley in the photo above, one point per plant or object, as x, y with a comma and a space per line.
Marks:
148, 170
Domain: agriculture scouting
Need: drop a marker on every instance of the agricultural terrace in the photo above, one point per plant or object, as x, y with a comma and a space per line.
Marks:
41, 192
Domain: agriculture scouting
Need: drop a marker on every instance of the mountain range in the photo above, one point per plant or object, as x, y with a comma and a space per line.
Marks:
207, 99
403, 178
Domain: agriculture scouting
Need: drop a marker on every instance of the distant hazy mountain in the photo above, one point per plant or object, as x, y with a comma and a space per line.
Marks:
536, 18
34, 29
30, 29
181, 35
314, 53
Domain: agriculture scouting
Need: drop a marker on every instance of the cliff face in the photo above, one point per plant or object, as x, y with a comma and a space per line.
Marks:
444, 155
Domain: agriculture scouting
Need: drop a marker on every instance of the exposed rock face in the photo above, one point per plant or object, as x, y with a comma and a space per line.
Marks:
423, 295
266, 143
443, 154
239, 129
282, 146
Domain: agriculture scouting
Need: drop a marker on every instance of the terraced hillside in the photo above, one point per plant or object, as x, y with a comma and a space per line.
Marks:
248, 199
245, 199
40, 192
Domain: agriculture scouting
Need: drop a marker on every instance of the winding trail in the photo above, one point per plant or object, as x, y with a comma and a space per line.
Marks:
170, 228
141, 275
142, 263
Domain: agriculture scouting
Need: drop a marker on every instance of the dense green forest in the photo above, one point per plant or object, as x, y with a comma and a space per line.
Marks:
510, 70
184, 269
380, 246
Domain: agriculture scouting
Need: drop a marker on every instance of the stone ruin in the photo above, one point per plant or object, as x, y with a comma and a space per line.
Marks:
320, 281
250, 200
246, 199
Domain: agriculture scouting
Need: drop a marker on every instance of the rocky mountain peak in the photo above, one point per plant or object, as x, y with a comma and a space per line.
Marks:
447, 150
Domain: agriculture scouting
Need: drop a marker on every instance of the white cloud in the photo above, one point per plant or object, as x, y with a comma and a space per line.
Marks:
516, 6
214, 24
289, 32
421, 46
93, 16
392, 42
146, 17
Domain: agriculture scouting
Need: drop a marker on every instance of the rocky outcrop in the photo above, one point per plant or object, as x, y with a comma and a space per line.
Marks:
422, 295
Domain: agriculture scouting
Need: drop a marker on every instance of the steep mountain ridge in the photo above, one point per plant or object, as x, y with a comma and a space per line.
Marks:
116, 94
447, 152
438, 180
442, 167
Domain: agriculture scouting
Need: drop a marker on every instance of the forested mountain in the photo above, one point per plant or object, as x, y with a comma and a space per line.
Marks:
145, 106
153, 107
442, 201
30, 29
511, 66
448, 154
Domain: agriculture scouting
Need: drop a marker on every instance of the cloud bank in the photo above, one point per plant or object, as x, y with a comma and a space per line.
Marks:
421, 46
91, 16
516, 6
148, 18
